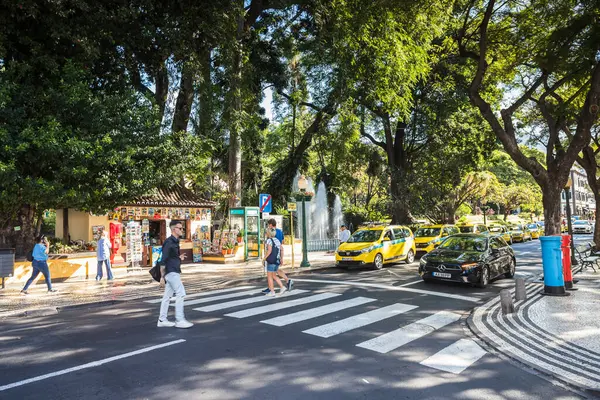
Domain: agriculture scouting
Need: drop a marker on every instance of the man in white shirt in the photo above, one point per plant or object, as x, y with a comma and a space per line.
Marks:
344, 234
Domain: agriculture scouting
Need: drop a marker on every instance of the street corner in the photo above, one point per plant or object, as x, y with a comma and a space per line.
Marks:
557, 337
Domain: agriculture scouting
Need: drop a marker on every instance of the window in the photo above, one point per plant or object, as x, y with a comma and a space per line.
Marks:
401, 233
482, 228
495, 244
389, 234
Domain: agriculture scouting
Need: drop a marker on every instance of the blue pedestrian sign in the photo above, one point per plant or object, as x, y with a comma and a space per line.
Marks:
264, 202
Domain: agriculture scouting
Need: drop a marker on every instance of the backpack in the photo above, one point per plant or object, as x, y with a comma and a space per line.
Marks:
29, 255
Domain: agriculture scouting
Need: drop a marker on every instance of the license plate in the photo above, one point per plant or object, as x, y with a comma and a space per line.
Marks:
347, 259
442, 275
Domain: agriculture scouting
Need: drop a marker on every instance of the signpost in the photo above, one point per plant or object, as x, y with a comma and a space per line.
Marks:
291, 208
265, 203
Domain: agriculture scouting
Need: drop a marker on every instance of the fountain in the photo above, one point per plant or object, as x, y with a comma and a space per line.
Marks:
338, 217
319, 224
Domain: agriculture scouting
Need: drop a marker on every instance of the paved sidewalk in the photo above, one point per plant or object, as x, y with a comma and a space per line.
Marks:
135, 285
558, 336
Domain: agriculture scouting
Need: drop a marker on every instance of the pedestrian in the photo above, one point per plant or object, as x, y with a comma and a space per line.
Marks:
40, 263
344, 234
273, 260
272, 224
103, 256
170, 272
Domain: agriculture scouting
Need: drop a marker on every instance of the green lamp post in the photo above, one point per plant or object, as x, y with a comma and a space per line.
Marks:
302, 185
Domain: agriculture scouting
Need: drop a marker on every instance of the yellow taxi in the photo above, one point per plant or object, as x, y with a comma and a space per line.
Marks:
520, 233
377, 245
473, 228
503, 231
428, 237
535, 231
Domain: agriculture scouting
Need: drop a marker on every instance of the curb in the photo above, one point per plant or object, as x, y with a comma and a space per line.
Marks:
494, 348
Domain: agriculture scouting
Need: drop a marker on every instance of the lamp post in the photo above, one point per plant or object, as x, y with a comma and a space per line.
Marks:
302, 185
569, 226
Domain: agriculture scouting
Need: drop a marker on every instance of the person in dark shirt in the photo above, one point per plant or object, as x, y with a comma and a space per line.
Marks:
272, 259
170, 268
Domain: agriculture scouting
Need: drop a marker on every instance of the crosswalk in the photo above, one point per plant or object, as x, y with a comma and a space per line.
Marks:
453, 358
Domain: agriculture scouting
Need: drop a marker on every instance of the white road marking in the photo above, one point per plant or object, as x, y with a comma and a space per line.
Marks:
317, 312
412, 283
189, 296
398, 288
219, 297
399, 337
280, 306
88, 365
359, 320
457, 357
256, 299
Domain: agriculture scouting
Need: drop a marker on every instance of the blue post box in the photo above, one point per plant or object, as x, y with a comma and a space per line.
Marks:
554, 283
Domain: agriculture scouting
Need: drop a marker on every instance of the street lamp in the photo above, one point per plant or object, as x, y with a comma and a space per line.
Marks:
302, 185
569, 226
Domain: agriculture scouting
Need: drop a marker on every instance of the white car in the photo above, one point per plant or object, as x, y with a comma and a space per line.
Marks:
582, 226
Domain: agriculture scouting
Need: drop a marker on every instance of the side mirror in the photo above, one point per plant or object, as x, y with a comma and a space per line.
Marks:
386, 239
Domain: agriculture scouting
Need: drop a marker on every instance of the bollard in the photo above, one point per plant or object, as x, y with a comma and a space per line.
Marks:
520, 290
506, 302
566, 262
554, 283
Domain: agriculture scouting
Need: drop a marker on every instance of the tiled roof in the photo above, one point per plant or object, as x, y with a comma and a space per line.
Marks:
176, 196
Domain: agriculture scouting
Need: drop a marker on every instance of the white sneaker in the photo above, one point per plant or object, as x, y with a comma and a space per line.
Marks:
184, 324
271, 294
165, 324
282, 290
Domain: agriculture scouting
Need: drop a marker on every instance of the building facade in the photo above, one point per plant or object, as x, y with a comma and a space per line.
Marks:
581, 199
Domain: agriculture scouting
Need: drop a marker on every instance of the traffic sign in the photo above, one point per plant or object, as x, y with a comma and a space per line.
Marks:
264, 202
292, 207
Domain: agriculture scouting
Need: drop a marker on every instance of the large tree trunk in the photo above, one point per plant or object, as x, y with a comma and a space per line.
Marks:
183, 107
552, 212
66, 226
18, 232
400, 209
235, 134
206, 108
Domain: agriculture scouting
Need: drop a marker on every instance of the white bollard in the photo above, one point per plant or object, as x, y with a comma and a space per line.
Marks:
507, 302
520, 290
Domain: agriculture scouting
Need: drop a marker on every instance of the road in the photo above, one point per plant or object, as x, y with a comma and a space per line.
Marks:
337, 335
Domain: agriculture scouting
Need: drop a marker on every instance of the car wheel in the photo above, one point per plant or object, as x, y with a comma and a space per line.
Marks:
410, 257
378, 262
510, 271
485, 278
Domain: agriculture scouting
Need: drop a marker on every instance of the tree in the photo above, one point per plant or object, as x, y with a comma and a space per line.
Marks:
536, 51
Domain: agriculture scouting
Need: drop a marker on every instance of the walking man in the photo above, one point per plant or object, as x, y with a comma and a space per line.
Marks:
40, 263
170, 271
272, 224
103, 255
344, 234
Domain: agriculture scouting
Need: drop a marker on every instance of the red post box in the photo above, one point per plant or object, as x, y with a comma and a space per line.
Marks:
566, 261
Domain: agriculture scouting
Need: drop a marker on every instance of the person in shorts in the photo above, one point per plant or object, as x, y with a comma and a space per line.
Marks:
273, 261
272, 224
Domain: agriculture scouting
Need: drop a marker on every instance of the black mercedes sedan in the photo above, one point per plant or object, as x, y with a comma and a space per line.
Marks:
469, 258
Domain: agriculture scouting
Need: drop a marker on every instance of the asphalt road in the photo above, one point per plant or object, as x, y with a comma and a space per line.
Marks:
337, 335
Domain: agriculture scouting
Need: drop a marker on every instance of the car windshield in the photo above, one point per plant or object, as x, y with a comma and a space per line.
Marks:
465, 229
517, 228
580, 223
426, 232
532, 226
367, 235
496, 229
462, 243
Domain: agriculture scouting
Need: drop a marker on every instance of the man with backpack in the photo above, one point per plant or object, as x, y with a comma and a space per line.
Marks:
39, 262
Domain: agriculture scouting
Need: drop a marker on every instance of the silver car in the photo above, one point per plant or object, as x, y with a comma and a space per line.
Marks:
582, 226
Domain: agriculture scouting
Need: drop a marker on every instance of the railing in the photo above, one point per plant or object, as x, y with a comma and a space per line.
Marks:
322, 245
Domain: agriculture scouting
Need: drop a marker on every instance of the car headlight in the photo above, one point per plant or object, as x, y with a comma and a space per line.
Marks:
365, 250
468, 266
423, 262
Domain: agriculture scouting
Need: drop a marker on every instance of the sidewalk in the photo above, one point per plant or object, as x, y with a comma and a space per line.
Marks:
558, 336
136, 285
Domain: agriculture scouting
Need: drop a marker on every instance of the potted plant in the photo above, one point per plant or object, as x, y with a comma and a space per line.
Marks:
229, 248
91, 246
224, 249
240, 236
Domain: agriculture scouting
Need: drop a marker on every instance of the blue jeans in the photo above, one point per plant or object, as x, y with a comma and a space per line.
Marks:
39, 266
272, 267
109, 274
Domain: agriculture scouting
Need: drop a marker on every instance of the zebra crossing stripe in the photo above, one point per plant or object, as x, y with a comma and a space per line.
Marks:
399, 337
189, 296
316, 312
455, 358
359, 320
255, 299
219, 297
280, 306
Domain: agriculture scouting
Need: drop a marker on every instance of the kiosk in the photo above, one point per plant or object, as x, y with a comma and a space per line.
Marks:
246, 221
